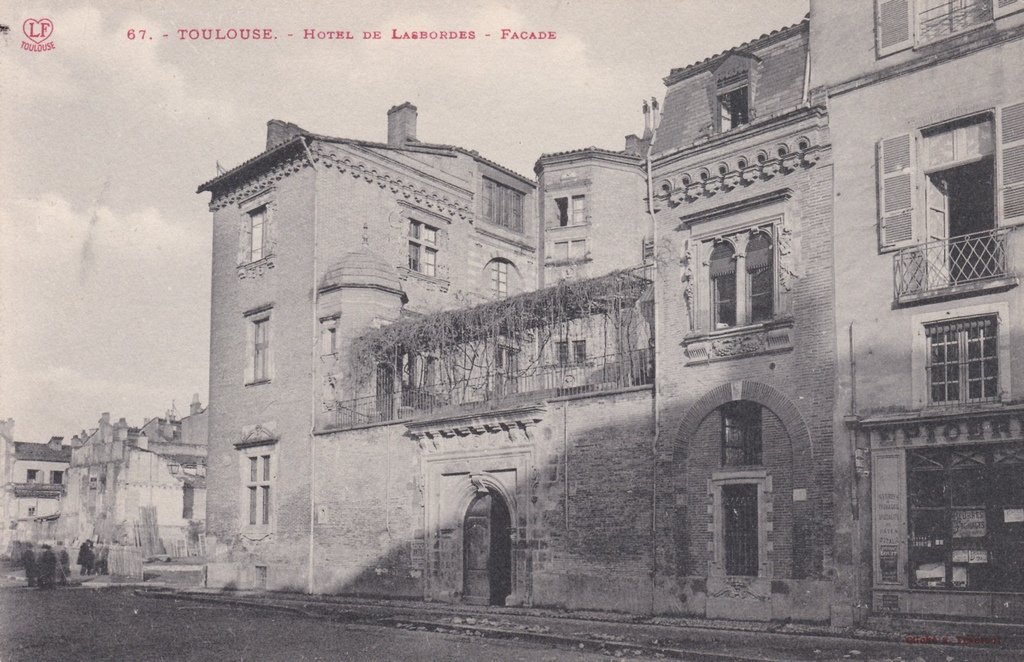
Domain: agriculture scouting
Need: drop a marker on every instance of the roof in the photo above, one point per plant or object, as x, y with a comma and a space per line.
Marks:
181, 458
410, 146
24, 450
584, 150
678, 74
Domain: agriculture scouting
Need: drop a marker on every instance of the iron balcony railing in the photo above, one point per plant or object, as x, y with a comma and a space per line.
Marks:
945, 263
951, 17
604, 373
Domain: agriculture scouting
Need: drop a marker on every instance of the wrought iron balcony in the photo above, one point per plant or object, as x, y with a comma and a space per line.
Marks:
606, 373
951, 17
948, 266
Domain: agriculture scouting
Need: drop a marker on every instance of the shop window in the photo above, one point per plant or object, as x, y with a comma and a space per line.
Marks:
733, 109
739, 507
962, 361
741, 433
422, 248
966, 521
502, 205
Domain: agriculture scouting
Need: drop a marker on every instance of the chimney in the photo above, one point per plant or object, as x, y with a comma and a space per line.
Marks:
401, 124
142, 441
278, 133
55, 442
196, 407
633, 145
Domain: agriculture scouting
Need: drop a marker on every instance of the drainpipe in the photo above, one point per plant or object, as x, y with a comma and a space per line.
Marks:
657, 344
312, 367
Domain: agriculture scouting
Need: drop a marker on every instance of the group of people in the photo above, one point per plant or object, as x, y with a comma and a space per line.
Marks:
51, 567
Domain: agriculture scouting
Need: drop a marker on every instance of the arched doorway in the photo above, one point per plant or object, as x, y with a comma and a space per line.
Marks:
487, 551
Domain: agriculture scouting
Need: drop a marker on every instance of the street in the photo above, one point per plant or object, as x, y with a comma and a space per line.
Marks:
121, 624
115, 624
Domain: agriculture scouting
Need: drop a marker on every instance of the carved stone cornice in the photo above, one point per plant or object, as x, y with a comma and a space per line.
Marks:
477, 424
259, 183
766, 338
420, 196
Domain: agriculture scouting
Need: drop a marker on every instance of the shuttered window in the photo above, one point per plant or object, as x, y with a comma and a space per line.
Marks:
1011, 162
894, 22
1006, 7
896, 191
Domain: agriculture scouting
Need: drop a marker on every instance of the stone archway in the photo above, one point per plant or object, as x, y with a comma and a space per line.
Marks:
487, 551
802, 475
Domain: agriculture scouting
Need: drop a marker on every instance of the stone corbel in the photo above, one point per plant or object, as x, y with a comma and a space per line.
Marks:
731, 181
712, 186
769, 170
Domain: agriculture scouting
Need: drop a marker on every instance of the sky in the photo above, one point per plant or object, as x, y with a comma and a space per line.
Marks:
105, 267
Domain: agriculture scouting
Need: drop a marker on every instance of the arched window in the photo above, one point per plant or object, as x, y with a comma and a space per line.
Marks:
723, 286
741, 433
499, 278
760, 277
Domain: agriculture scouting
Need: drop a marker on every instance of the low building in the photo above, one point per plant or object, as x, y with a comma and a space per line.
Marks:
34, 485
142, 486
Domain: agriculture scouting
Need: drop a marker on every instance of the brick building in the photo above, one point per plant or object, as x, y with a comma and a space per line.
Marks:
926, 106
743, 181
545, 471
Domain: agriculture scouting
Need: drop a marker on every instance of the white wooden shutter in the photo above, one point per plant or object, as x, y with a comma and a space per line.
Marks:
1011, 162
896, 191
244, 234
1005, 7
894, 25
250, 351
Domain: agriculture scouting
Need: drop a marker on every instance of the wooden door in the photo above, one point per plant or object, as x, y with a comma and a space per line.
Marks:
476, 543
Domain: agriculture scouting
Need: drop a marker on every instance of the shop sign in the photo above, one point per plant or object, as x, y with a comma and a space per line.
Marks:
994, 428
969, 523
888, 522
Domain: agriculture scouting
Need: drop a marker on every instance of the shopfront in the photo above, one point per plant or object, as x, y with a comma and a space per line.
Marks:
947, 513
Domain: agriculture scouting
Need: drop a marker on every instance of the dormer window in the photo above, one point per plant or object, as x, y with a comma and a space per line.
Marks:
733, 108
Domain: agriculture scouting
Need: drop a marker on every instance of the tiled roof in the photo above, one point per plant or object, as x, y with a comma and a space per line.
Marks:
581, 150
41, 452
413, 146
676, 74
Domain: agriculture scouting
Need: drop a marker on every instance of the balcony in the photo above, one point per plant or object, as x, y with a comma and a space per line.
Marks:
952, 267
39, 490
494, 390
951, 17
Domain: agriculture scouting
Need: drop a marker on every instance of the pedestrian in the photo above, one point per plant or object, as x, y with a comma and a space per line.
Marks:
85, 557
28, 559
65, 563
47, 568
102, 559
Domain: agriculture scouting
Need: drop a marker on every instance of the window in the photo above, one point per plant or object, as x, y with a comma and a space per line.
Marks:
579, 351
31, 511
499, 278
760, 277
261, 350
562, 352
258, 489
741, 433
506, 360
57, 477
723, 286
571, 215
187, 501
962, 363
739, 507
32, 476
329, 336
733, 109
257, 234
647, 251
575, 249
903, 24
422, 248
502, 206
966, 517
174, 468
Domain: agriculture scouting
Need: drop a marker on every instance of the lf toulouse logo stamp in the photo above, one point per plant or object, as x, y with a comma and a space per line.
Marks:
39, 31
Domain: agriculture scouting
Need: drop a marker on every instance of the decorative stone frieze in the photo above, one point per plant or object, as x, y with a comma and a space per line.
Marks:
767, 338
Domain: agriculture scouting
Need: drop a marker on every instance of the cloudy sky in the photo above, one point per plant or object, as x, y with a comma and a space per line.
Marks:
105, 269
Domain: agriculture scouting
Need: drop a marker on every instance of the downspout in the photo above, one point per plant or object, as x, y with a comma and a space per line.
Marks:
312, 368
657, 343
807, 78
